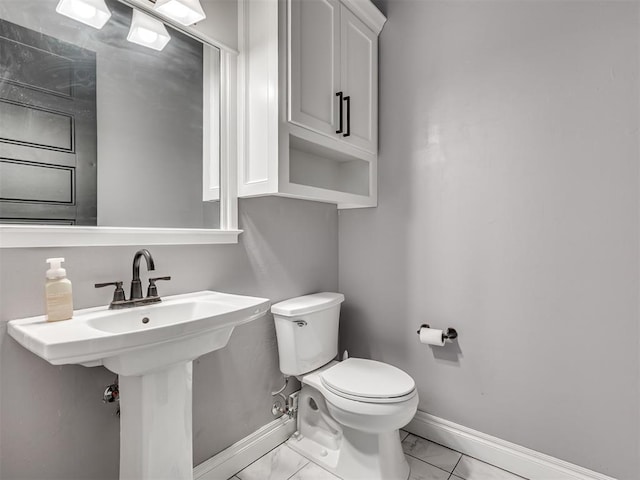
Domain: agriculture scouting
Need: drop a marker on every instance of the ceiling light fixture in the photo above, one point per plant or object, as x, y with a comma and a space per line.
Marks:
90, 12
147, 31
186, 12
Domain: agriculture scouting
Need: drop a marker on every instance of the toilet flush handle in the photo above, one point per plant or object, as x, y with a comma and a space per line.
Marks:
300, 323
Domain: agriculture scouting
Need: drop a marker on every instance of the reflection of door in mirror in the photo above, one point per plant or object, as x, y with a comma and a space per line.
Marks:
149, 110
48, 153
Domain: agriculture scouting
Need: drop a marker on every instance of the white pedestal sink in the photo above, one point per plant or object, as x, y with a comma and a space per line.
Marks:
151, 348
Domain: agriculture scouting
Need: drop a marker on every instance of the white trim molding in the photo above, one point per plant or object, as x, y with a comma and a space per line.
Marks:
506, 455
211, 124
228, 171
368, 13
243, 453
21, 236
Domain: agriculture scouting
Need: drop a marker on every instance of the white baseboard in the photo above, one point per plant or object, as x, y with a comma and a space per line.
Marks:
243, 453
509, 456
506, 455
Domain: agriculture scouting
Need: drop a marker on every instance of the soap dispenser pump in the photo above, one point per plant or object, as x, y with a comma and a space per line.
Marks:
58, 293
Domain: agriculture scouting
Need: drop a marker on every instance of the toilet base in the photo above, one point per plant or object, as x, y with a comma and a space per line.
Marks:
344, 442
360, 455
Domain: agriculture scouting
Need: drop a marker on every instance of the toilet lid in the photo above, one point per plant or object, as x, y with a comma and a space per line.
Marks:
367, 379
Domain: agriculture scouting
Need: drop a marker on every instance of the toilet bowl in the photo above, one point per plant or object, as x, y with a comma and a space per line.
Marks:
349, 412
367, 395
356, 438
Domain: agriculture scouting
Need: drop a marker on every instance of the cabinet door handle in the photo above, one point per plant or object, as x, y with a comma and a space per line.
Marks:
339, 95
348, 100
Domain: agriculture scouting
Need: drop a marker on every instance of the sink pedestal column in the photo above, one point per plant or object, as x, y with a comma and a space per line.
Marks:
156, 425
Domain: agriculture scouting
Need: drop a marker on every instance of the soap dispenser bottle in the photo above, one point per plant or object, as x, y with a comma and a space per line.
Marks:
58, 296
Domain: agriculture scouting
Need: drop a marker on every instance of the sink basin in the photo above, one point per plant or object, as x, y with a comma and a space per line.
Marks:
141, 339
151, 348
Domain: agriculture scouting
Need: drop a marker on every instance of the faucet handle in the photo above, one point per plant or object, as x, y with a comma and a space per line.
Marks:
118, 294
152, 291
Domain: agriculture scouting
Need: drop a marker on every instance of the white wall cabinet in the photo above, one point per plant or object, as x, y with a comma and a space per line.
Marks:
309, 113
359, 81
314, 63
333, 72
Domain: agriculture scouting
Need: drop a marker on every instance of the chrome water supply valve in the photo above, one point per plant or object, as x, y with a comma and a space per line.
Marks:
111, 393
284, 405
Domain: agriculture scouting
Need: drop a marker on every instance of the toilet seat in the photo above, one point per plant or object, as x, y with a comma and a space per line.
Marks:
368, 381
366, 414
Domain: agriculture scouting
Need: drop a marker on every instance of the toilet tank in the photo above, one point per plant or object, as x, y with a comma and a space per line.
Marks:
307, 331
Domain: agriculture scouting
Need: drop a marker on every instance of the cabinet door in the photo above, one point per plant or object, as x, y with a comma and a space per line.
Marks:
314, 62
359, 80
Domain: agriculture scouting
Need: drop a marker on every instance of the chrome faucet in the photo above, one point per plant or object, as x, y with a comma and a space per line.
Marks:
136, 299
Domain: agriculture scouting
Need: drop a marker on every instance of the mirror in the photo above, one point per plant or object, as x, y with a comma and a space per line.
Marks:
130, 150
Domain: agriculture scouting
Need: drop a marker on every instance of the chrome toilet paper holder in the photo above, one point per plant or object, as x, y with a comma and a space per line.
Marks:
448, 334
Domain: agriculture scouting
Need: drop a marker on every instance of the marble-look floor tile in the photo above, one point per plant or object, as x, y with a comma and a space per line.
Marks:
311, 471
469, 468
423, 471
403, 434
441, 457
279, 464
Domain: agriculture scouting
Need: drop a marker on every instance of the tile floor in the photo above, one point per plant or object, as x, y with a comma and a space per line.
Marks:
428, 461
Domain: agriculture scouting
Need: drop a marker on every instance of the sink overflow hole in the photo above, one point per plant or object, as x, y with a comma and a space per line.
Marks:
145, 320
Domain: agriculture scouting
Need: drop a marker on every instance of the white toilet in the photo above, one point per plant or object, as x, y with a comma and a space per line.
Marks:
349, 412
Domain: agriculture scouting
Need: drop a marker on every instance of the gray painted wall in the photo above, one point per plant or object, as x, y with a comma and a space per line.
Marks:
53, 424
508, 209
222, 21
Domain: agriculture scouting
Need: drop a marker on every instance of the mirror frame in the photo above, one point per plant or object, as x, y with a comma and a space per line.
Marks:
29, 236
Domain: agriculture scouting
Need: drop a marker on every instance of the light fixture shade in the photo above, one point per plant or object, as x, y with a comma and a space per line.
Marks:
91, 12
186, 12
147, 31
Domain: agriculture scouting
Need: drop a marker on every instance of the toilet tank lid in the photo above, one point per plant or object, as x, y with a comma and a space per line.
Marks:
307, 304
